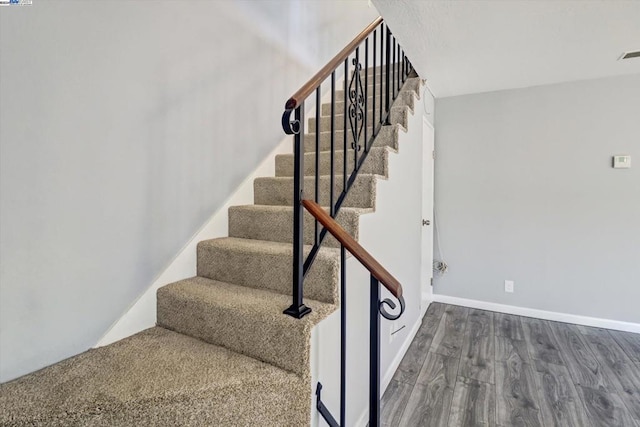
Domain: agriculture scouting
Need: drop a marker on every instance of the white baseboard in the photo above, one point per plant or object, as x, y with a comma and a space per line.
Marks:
540, 314
388, 376
142, 313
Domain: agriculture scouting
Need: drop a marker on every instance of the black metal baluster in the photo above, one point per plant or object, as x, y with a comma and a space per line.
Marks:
366, 92
394, 69
374, 354
403, 68
381, 74
373, 89
346, 111
354, 114
398, 72
343, 334
332, 208
388, 79
298, 309
316, 234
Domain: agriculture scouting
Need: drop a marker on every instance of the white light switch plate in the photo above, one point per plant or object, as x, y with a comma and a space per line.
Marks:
621, 161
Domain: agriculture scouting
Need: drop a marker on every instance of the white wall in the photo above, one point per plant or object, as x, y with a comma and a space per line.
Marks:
525, 191
393, 236
123, 127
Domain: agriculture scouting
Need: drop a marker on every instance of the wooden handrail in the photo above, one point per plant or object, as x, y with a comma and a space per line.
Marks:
370, 263
315, 81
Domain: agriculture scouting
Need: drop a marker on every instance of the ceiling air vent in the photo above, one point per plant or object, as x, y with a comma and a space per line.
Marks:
628, 55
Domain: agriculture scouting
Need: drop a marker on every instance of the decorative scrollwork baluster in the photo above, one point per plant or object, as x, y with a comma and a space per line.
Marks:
356, 105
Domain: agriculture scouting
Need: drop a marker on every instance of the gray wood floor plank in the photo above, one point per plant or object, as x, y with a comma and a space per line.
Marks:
509, 350
436, 309
540, 341
630, 343
605, 408
516, 400
579, 359
616, 365
544, 373
450, 333
393, 402
508, 325
412, 361
478, 351
473, 404
560, 404
480, 323
430, 401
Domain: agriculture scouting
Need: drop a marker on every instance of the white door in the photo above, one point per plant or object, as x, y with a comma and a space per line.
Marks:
427, 208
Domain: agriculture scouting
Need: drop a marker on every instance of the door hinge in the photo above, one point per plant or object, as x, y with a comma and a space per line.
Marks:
426, 222
433, 154
432, 281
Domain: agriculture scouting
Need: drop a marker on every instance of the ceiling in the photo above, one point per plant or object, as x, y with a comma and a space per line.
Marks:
464, 47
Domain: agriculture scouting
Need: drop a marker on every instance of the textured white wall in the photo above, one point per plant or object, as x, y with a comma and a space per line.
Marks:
525, 191
123, 127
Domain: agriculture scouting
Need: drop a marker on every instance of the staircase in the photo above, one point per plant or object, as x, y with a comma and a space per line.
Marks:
223, 353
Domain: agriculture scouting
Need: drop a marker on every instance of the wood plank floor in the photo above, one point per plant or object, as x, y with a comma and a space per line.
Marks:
470, 367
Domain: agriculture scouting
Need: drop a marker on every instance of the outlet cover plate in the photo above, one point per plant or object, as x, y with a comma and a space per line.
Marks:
508, 286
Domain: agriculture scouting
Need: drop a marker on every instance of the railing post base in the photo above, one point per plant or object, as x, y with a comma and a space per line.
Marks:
297, 311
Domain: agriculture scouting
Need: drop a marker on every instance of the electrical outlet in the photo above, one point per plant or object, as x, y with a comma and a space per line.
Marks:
508, 286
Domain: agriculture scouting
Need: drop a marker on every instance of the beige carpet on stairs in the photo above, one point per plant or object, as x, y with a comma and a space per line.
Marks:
223, 354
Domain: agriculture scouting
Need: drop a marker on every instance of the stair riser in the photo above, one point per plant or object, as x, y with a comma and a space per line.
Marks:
278, 191
278, 226
387, 136
278, 341
408, 86
407, 97
376, 163
397, 116
268, 271
325, 139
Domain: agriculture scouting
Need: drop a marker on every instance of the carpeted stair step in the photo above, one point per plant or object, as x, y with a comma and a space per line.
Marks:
157, 378
242, 319
279, 190
376, 162
267, 265
275, 223
399, 114
387, 136
406, 97
410, 85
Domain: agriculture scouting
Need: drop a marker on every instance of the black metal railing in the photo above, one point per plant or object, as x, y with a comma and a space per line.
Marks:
378, 275
389, 70
366, 108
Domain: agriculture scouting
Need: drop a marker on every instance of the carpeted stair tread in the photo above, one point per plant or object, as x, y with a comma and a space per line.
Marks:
376, 163
279, 190
406, 97
243, 319
157, 377
399, 114
267, 265
387, 136
275, 223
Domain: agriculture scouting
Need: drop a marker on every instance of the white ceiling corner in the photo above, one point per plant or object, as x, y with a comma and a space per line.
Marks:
473, 46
